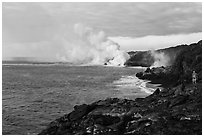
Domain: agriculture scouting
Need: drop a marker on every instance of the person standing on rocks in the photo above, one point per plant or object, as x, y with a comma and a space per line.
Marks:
194, 77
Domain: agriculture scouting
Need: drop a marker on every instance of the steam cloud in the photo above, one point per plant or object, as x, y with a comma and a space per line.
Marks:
160, 59
93, 48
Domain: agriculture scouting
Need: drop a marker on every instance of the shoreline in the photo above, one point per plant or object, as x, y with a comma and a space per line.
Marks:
143, 86
130, 85
154, 86
142, 116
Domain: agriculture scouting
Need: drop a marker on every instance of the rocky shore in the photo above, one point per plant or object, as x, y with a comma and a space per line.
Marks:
174, 110
169, 111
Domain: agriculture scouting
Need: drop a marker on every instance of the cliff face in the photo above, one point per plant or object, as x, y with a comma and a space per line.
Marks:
147, 58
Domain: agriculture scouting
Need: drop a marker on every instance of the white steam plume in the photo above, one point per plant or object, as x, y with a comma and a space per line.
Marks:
160, 59
89, 47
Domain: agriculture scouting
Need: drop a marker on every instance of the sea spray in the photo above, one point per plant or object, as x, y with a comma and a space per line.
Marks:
160, 59
93, 48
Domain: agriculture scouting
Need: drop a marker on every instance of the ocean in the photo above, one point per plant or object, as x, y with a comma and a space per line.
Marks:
33, 95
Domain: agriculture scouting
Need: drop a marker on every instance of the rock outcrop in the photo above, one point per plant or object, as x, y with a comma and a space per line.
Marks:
161, 75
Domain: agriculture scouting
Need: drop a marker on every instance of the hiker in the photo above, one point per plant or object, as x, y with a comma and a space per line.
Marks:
194, 77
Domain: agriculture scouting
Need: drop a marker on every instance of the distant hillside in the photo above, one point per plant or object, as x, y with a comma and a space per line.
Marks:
148, 58
140, 58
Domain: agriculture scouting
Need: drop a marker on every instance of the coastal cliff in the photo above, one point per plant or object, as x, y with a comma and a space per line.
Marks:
176, 109
189, 60
147, 58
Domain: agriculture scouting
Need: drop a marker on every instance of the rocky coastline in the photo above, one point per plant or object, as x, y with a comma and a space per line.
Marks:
169, 111
174, 110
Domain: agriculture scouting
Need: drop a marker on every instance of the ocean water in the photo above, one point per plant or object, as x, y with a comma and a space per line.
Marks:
35, 95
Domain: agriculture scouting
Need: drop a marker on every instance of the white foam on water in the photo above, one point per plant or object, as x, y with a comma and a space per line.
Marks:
132, 83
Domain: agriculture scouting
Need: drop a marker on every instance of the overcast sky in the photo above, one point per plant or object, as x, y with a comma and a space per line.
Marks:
35, 29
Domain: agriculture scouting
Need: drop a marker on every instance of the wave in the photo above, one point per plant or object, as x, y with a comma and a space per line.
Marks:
132, 82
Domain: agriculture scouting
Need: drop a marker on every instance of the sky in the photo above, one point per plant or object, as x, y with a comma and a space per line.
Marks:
42, 30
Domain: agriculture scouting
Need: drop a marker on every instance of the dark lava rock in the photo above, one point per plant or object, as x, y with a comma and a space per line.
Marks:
160, 75
158, 114
78, 112
179, 100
